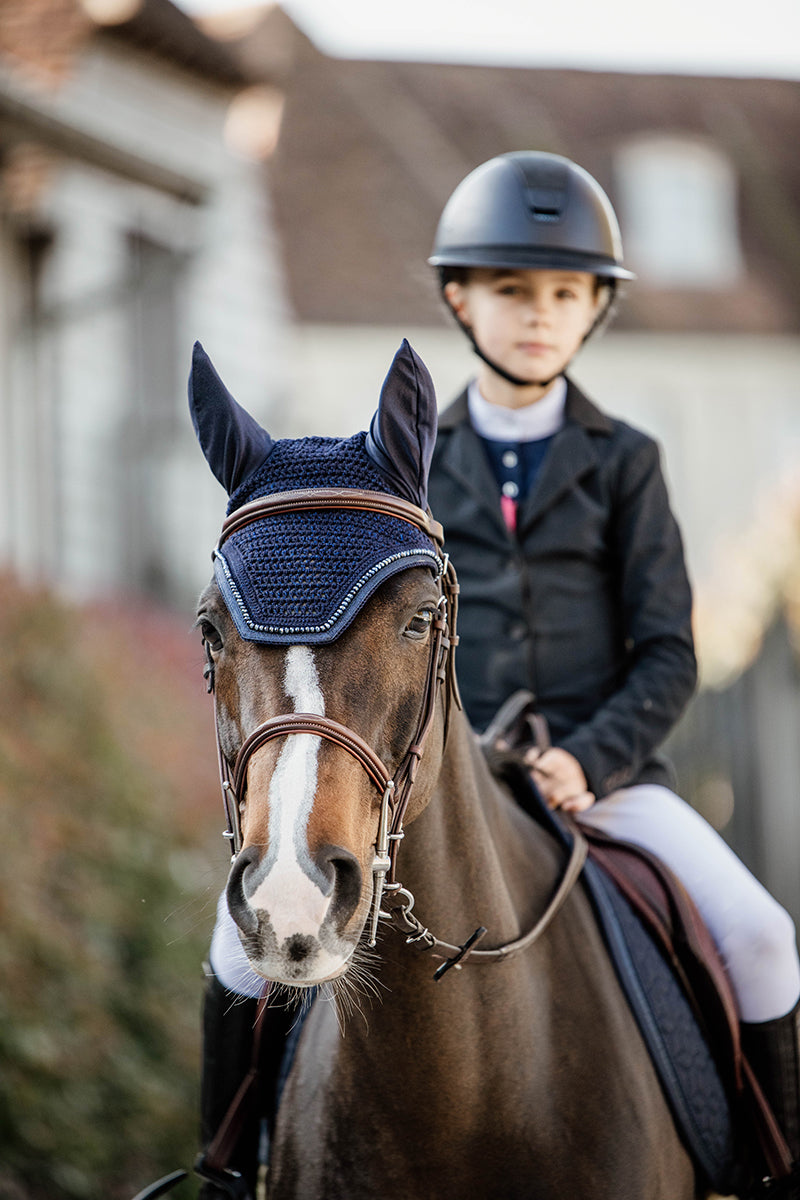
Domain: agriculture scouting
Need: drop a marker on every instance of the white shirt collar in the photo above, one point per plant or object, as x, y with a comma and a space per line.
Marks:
541, 419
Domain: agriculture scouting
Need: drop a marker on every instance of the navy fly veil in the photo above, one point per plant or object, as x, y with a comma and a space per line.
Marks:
303, 576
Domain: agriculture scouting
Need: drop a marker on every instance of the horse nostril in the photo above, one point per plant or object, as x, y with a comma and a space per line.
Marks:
238, 904
343, 875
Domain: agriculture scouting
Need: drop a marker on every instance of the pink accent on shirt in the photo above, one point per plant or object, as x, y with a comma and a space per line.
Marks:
508, 506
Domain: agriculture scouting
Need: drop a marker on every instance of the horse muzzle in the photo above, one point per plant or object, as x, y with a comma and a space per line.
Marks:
299, 922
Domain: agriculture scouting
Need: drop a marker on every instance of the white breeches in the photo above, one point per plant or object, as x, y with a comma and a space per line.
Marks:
228, 959
754, 935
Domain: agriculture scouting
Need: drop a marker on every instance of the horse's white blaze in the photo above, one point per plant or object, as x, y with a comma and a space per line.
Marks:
295, 903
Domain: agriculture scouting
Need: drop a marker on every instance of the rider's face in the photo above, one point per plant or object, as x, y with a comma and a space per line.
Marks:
530, 322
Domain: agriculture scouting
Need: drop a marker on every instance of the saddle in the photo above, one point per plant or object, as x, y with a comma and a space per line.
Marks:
671, 974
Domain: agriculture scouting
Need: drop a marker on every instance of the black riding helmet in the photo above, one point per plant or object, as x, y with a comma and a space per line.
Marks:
530, 210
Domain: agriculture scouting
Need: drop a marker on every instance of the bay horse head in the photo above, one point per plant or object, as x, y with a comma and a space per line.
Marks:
328, 630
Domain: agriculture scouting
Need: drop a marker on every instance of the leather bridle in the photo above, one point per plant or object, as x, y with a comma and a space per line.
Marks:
394, 790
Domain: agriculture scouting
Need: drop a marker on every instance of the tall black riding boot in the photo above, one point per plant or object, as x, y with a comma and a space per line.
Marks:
228, 1023
773, 1051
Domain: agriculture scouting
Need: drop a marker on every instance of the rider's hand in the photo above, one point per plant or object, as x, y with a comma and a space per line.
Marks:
560, 778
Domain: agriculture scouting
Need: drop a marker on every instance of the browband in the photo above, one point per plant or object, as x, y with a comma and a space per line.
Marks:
308, 499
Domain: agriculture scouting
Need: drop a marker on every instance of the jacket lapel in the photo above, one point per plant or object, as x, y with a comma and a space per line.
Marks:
464, 459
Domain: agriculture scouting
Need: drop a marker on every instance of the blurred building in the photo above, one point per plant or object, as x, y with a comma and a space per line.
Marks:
133, 219
705, 352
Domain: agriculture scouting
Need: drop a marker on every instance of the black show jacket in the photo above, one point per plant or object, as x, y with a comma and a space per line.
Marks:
588, 605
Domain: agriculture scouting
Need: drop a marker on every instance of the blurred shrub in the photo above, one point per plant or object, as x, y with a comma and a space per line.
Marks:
111, 862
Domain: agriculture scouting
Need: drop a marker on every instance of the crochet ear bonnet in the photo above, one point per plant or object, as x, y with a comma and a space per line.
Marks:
304, 576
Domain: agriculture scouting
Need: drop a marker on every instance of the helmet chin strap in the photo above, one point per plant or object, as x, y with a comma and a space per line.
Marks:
504, 374
516, 380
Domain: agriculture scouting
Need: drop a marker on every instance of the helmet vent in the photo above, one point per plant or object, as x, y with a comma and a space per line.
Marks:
546, 204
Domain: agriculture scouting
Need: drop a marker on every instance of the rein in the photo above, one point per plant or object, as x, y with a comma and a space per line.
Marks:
395, 791
401, 902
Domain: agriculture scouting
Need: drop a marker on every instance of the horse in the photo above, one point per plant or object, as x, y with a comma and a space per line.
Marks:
363, 815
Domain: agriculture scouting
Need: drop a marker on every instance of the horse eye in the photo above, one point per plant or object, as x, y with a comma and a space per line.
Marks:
420, 623
210, 635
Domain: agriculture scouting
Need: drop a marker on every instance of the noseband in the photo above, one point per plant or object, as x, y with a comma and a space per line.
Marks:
395, 791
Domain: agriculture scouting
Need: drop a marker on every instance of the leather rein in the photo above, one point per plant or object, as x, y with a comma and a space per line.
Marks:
395, 791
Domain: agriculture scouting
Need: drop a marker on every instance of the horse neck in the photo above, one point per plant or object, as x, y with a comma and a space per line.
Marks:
474, 850
474, 857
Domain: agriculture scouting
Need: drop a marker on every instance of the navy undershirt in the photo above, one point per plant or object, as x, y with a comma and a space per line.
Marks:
515, 465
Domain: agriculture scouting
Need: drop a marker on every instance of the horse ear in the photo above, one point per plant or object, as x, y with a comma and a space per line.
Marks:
403, 431
233, 442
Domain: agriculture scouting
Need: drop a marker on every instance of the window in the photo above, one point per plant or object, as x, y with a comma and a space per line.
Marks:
678, 213
151, 422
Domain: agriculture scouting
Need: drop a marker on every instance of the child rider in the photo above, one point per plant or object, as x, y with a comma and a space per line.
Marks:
573, 583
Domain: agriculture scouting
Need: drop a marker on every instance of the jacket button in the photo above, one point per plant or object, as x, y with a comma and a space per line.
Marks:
518, 631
